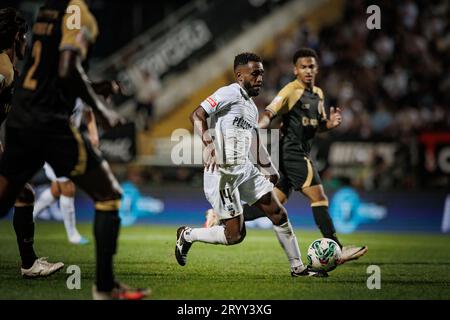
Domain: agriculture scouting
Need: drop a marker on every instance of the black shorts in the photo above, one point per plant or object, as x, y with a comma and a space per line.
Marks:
67, 151
296, 175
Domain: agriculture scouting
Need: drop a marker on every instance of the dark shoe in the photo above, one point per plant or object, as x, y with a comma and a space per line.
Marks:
308, 272
182, 246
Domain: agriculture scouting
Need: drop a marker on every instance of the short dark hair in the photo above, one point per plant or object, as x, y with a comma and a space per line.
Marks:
303, 53
243, 58
11, 22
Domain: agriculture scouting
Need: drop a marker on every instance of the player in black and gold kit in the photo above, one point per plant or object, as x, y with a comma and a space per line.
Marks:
13, 29
300, 104
38, 129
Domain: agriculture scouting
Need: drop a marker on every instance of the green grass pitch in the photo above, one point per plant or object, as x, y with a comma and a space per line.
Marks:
413, 266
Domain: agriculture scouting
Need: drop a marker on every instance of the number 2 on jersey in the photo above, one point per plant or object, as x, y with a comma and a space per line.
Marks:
29, 82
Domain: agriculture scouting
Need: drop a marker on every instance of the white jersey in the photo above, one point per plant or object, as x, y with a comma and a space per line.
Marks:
234, 116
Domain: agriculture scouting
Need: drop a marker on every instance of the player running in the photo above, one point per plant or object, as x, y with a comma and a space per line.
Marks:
301, 105
229, 175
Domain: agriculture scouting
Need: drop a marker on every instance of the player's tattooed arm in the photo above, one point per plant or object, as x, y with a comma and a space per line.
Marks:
74, 79
199, 121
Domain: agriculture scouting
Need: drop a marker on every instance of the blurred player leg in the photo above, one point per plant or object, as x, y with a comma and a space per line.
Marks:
23, 223
101, 185
45, 200
67, 206
13, 191
24, 226
50, 195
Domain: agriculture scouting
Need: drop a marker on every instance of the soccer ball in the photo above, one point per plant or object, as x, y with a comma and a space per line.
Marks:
324, 254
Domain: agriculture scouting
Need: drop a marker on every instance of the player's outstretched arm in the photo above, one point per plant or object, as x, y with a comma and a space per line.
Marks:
265, 118
333, 122
74, 78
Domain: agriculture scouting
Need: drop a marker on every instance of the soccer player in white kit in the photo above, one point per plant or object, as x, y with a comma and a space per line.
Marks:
229, 175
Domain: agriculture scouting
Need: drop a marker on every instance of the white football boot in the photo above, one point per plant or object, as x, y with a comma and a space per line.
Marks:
41, 268
350, 253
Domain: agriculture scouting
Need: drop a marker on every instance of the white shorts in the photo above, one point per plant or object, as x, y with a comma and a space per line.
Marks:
51, 174
224, 189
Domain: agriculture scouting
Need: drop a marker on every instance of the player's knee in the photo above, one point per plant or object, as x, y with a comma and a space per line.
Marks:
109, 201
323, 197
26, 196
278, 216
235, 237
107, 193
67, 188
115, 194
55, 189
319, 196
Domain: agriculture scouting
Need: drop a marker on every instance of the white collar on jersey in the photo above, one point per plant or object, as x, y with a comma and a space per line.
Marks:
244, 92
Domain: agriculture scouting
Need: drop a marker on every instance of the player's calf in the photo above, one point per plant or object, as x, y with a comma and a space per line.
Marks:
235, 237
272, 208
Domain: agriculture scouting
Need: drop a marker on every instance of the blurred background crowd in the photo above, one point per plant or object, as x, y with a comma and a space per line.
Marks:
392, 83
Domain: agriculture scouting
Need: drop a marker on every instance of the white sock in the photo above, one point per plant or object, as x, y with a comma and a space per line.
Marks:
45, 200
288, 241
67, 206
215, 235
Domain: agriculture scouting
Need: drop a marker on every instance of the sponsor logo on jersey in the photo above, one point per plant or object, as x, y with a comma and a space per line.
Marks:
241, 123
309, 122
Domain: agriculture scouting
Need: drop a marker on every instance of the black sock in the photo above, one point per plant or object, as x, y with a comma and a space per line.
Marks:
325, 224
24, 227
106, 232
252, 213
